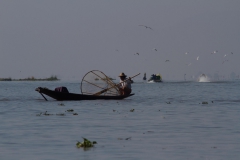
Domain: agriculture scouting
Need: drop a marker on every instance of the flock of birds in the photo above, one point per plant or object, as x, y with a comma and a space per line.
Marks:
197, 58
223, 60
186, 53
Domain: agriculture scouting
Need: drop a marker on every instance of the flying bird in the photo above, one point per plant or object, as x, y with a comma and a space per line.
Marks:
186, 53
146, 27
231, 52
225, 55
154, 49
197, 58
224, 61
214, 52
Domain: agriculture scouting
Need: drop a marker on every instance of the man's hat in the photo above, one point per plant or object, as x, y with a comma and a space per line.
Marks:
122, 75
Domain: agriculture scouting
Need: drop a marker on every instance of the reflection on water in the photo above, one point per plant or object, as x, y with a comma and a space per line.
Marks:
182, 129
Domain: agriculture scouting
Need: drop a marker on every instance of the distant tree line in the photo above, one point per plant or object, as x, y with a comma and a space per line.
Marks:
52, 78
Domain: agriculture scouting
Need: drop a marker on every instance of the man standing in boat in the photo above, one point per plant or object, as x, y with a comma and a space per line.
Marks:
125, 84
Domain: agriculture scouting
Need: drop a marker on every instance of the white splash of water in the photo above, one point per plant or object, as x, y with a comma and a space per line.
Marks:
151, 82
203, 78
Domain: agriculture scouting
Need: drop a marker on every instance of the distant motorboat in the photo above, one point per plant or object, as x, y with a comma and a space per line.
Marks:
155, 78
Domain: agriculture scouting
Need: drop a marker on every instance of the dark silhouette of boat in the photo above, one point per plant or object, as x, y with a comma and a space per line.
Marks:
62, 94
155, 78
144, 77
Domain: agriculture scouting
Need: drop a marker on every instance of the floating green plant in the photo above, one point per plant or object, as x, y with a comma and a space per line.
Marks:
85, 144
132, 110
47, 114
69, 110
39, 114
60, 114
129, 138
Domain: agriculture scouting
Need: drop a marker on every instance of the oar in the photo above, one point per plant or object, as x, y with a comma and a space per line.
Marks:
43, 96
105, 90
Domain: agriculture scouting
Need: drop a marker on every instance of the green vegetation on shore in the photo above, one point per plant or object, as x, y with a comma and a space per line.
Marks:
5, 79
52, 78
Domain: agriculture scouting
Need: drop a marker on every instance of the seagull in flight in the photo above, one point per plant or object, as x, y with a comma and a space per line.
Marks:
214, 52
186, 53
225, 55
136, 53
167, 60
197, 58
154, 49
224, 61
146, 27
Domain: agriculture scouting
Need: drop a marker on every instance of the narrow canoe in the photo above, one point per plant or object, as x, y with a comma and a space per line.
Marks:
63, 96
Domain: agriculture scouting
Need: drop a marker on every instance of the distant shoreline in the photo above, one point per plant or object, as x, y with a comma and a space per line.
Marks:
52, 78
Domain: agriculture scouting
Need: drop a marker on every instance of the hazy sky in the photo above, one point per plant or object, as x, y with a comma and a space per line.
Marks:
68, 38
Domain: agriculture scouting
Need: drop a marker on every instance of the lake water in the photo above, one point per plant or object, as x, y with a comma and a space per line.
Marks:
184, 129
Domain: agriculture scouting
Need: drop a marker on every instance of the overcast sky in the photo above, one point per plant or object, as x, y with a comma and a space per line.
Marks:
68, 38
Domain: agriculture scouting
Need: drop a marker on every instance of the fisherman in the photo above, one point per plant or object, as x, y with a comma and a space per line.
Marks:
125, 84
153, 77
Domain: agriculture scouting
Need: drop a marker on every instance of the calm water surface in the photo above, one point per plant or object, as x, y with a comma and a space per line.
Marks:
183, 129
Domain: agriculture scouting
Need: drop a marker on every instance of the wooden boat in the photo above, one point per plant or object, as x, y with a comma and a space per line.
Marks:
66, 96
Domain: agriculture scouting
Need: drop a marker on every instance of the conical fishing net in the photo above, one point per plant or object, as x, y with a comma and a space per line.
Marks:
96, 81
